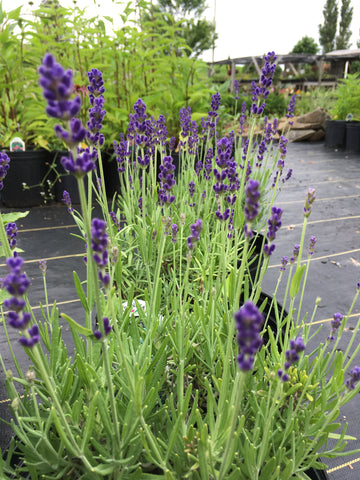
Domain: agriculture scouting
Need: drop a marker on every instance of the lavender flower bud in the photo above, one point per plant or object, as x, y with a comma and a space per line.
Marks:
195, 233
335, 325
249, 323
99, 245
312, 243
11, 233
57, 88
67, 200
4, 167
354, 378
310, 198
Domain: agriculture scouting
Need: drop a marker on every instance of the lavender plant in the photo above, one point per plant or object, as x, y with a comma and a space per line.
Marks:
199, 385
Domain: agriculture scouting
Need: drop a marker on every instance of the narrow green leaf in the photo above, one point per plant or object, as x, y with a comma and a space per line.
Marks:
295, 283
80, 292
75, 326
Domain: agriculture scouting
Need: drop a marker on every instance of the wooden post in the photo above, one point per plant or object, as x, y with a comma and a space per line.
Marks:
232, 80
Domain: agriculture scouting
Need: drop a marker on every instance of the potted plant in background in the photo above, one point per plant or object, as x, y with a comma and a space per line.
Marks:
22, 114
342, 131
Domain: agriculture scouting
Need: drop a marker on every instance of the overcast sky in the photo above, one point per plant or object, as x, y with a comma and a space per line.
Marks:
244, 27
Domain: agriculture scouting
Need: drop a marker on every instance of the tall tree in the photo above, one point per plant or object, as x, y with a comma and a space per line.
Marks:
328, 29
197, 32
306, 45
346, 15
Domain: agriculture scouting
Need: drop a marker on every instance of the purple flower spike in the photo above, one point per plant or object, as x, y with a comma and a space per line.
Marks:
292, 356
354, 378
4, 167
99, 245
33, 338
312, 243
291, 109
274, 223
83, 163
310, 198
107, 326
194, 237
252, 196
167, 181
57, 88
296, 346
73, 137
249, 321
96, 112
67, 200
11, 232
335, 325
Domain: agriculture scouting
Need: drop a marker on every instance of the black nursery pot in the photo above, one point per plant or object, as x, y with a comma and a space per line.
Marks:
352, 144
28, 167
66, 181
335, 134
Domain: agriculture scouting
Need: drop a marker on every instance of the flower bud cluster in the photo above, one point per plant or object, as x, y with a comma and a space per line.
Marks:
99, 245
4, 167
16, 283
249, 322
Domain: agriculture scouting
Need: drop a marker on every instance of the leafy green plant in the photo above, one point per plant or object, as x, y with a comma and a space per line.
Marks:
347, 98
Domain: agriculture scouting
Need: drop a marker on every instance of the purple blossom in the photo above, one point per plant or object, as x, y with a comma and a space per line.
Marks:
115, 220
140, 129
211, 121
67, 200
354, 378
295, 254
96, 112
43, 266
310, 198
312, 243
32, 338
191, 188
284, 262
185, 124
122, 152
274, 223
107, 329
57, 88
11, 233
249, 322
167, 181
194, 237
242, 118
174, 232
4, 167
252, 196
16, 283
236, 89
99, 245
83, 163
335, 325
161, 132
288, 175
208, 163
261, 91
292, 356
74, 136
291, 109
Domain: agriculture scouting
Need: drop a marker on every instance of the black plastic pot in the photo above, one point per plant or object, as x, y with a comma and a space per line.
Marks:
256, 258
335, 134
66, 181
352, 144
111, 174
317, 474
28, 167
